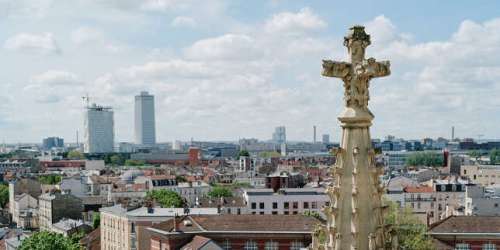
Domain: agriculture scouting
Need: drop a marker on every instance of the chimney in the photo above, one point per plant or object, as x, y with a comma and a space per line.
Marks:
175, 223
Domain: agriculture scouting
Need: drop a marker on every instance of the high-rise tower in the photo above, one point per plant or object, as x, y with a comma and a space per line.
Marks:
145, 129
99, 129
355, 215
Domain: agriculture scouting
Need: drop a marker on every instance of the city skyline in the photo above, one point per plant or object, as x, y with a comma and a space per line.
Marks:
251, 73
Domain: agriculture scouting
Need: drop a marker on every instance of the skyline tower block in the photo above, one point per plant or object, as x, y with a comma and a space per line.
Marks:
144, 119
98, 129
279, 135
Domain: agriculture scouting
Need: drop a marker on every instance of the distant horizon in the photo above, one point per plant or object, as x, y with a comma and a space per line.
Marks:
220, 69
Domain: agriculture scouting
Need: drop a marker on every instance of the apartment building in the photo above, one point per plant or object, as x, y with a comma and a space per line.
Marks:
55, 206
121, 226
484, 175
285, 201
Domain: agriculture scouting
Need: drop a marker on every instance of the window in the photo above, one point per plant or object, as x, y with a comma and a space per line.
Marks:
295, 205
254, 212
261, 205
286, 212
271, 245
314, 205
286, 205
250, 245
261, 212
296, 245
489, 246
496, 204
306, 205
238, 211
418, 205
462, 246
465, 171
226, 245
275, 212
432, 204
254, 205
295, 212
275, 205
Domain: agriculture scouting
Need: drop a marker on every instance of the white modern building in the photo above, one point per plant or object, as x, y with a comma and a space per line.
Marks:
279, 135
145, 133
285, 201
99, 129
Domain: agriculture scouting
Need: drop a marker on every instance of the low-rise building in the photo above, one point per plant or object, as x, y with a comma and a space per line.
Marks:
484, 175
121, 226
466, 233
55, 206
67, 227
285, 201
25, 211
478, 202
292, 232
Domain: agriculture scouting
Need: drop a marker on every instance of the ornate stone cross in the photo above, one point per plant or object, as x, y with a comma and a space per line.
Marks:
356, 74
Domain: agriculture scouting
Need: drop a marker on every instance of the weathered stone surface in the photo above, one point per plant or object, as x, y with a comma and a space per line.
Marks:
355, 218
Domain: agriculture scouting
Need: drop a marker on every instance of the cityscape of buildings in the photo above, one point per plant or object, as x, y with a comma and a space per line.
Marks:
98, 191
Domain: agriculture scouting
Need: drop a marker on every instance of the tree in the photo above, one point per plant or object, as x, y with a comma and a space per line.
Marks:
116, 160
313, 214
495, 156
269, 154
476, 154
4, 195
75, 155
425, 159
45, 240
96, 221
180, 178
243, 153
134, 163
218, 192
51, 179
166, 198
410, 231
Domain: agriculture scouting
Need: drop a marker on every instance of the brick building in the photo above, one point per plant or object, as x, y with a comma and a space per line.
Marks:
277, 232
466, 233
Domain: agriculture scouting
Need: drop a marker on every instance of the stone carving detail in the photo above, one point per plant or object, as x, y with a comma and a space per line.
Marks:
356, 213
356, 74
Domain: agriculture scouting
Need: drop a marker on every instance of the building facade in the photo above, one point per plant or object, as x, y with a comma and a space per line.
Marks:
145, 128
99, 129
279, 135
55, 206
286, 201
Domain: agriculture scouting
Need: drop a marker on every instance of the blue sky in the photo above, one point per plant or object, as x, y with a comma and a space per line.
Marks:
223, 70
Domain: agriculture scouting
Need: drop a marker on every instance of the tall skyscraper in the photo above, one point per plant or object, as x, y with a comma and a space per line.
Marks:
52, 142
145, 131
99, 129
314, 134
326, 139
279, 135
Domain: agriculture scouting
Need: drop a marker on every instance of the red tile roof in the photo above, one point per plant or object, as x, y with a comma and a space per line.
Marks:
246, 223
467, 224
421, 189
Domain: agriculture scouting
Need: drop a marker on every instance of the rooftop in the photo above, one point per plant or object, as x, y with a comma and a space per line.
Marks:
241, 223
467, 224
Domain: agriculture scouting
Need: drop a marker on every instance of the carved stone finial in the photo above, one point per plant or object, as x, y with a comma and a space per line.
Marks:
357, 33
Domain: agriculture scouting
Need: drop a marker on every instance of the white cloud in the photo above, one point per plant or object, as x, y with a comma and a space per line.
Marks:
184, 21
33, 43
53, 86
56, 78
289, 22
226, 47
85, 35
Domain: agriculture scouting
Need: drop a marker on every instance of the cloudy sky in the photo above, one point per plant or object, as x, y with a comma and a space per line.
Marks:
223, 70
